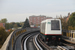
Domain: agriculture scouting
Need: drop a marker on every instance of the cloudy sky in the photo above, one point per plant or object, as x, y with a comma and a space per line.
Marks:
18, 10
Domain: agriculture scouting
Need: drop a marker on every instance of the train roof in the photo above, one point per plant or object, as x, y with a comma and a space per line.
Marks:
48, 20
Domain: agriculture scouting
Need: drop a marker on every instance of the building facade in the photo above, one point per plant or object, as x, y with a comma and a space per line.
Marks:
48, 17
67, 18
2, 25
36, 20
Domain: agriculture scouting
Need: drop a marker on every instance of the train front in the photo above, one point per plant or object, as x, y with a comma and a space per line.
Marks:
54, 31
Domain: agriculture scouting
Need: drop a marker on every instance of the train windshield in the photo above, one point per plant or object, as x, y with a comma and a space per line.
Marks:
55, 25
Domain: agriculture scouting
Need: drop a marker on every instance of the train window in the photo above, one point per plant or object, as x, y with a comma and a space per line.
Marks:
55, 25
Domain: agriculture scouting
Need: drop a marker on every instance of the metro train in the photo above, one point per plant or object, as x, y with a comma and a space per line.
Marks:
51, 30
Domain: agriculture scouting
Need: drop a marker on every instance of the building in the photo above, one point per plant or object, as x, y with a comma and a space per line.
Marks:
36, 20
2, 25
67, 18
48, 17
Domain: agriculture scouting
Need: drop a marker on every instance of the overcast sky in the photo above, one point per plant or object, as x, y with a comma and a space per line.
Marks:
18, 10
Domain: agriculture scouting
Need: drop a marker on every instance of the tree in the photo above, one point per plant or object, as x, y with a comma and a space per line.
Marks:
15, 26
21, 23
3, 20
64, 23
72, 19
7, 26
3, 35
26, 23
18, 24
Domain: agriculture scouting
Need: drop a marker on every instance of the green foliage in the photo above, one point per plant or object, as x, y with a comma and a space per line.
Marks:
71, 28
3, 36
15, 26
7, 26
64, 24
72, 19
70, 25
12, 25
10, 31
26, 24
3, 20
18, 24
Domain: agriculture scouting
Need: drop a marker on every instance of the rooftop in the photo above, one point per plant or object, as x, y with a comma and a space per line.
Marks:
38, 16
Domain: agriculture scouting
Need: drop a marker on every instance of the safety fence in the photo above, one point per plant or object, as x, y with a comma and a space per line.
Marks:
69, 33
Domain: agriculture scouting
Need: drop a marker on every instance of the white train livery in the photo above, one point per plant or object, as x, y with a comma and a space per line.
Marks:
50, 29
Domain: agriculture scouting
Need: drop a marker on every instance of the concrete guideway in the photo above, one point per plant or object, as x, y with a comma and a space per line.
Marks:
8, 43
18, 42
17, 45
25, 47
37, 44
28, 43
4, 47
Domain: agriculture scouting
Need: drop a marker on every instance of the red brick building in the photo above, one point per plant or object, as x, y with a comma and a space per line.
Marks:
67, 18
2, 25
48, 17
36, 20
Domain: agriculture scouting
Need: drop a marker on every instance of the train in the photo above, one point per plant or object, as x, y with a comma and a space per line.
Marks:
51, 30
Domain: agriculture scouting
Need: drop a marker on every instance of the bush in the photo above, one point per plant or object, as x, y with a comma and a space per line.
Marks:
3, 36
